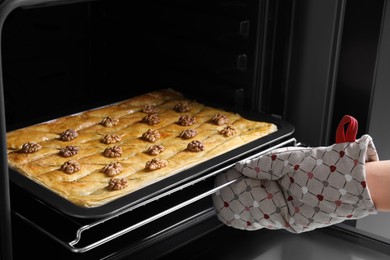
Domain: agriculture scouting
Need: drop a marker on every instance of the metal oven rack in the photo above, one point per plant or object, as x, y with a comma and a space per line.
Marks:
77, 245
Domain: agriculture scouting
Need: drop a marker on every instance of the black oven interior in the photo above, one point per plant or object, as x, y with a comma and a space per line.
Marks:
66, 58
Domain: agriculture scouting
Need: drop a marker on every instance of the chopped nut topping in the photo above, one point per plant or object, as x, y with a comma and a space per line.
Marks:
156, 164
186, 120
113, 169
229, 131
30, 148
182, 107
117, 184
220, 119
70, 167
68, 135
195, 146
188, 134
109, 121
111, 152
69, 151
150, 109
151, 119
151, 135
111, 139
155, 149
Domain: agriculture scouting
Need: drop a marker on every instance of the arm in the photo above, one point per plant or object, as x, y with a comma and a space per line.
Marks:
378, 182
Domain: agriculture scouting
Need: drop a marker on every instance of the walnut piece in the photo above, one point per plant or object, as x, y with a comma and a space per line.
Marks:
69, 151
186, 120
70, 167
195, 146
229, 131
155, 149
220, 119
30, 148
112, 152
111, 139
68, 135
182, 107
117, 184
109, 121
156, 164
151, 135
113, 169
150, 109
151, 119
188, 134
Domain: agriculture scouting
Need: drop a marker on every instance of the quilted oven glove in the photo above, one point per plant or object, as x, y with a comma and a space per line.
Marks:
297, 188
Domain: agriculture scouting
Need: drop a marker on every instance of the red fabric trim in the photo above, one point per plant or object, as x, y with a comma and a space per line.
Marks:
348, 134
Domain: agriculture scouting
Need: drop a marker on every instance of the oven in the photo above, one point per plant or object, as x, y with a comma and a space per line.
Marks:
253, 57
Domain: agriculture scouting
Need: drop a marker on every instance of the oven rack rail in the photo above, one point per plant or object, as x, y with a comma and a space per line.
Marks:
82, 231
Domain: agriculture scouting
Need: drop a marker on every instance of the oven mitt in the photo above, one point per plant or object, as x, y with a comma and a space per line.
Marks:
299, 188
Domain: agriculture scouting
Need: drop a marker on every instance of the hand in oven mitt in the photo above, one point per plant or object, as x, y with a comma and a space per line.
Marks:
298, 188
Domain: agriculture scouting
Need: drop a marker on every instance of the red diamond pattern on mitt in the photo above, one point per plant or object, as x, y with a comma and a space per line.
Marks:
297, 188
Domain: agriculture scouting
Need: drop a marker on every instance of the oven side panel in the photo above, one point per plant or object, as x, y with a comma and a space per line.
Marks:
312, 78
332, 66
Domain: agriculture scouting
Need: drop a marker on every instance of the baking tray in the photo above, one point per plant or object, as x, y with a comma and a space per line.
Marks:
58, 203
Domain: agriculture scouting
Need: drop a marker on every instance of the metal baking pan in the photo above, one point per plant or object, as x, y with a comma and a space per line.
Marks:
59, 203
